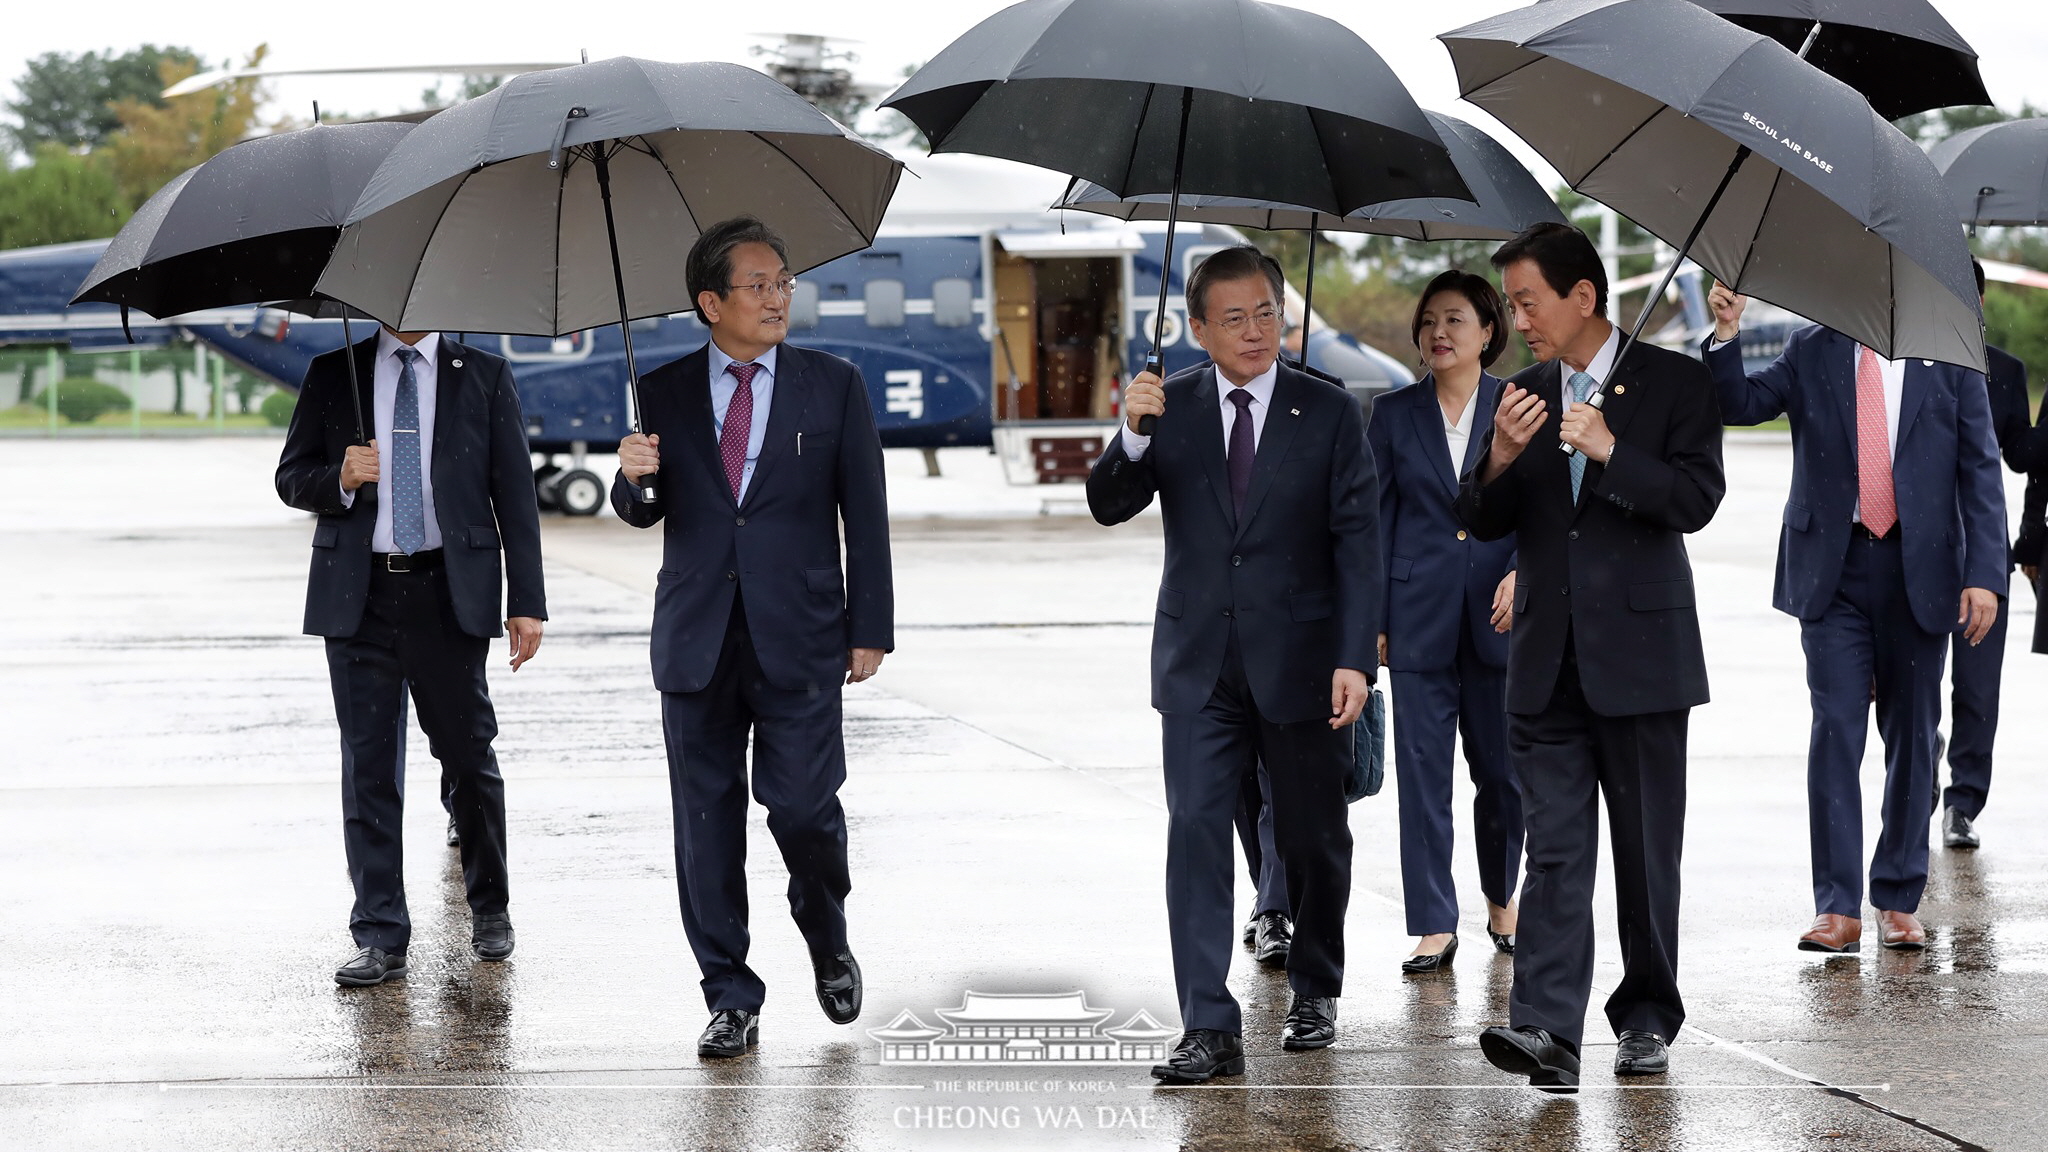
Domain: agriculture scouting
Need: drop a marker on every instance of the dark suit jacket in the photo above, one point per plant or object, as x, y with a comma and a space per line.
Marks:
1300, 575
1436, 569
1951, 499
780, 548
483, 490
1611, 572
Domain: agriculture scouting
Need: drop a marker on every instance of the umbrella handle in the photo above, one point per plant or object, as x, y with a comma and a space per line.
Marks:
1154, 362
1642, 318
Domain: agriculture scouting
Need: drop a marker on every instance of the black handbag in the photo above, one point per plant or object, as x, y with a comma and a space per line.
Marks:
1368, 768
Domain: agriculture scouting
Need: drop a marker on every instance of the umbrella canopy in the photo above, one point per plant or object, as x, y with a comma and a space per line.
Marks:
1505, 200
256, 222
1900, 54
489, 217
1285, 105
1798, 193
1998, 174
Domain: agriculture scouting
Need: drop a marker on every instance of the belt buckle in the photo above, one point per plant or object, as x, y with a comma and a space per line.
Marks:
397, 562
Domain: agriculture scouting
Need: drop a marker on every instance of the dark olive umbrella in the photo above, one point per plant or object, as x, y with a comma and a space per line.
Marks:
1777, 178
1998, 174
1505, 199
257, 222
1212, 97
1901, 54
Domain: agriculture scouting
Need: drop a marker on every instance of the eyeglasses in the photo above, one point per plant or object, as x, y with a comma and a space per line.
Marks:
1266, 319
763, 289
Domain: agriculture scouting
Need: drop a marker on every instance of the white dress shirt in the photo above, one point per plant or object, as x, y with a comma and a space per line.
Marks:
1261, 389
1601, 365
723, 385
1893, 373
384, 383
1458, 433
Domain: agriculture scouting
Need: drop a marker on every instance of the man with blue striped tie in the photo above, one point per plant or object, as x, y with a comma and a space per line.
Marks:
405, 587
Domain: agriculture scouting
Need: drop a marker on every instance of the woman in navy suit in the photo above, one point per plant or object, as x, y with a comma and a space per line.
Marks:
1448, 608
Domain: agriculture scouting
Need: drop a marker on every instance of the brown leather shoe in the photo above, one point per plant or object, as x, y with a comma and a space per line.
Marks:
1833, 933
1902, 931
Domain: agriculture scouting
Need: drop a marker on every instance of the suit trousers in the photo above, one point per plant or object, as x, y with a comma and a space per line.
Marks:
409, 641
799, 765
1431, 710
1567, 757
1255, 835
1207, 755
1867, 635
1973, 723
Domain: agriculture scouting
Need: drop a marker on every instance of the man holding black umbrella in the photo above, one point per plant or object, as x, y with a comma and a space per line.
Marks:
1605, 662
1262, 649
405, 586
759, 451
1894, 538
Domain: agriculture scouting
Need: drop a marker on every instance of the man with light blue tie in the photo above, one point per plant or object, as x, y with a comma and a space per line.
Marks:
405, 585
760, 452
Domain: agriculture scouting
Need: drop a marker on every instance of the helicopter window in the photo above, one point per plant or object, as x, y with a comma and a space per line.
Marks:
885, 303
953, 302
803, 305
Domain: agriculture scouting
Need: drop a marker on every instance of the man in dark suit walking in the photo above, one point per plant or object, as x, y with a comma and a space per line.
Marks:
1894, 537
1604, 661
1262, 648
405, 586
1978, 669
758, 452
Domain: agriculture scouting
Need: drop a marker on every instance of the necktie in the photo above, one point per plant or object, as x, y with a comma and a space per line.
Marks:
739, 425
1880, 508
1242, 449
1582, 386
408, 506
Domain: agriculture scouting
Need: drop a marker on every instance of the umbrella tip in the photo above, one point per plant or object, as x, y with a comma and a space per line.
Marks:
316, 111
586, 55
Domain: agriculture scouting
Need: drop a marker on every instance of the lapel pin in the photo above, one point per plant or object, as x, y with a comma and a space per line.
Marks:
455, 363
1620, 389
1294, 411
1927, 363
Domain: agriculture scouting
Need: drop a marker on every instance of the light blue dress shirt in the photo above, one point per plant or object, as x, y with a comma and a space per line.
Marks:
384, 390
723, 385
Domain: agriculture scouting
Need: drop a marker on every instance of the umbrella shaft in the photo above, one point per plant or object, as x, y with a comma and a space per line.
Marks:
355, 390
1308, 285
648, 494
1155, 363
1812, 34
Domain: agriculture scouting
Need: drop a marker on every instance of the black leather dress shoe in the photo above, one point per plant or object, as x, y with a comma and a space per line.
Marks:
491, 937
731, 1032
370, 966
1436, 963
1532, 1052
1311, 1023
1958, 830
1201, 1054
454, 837
838, 986
1251, 931
1276, 939
1641, 1054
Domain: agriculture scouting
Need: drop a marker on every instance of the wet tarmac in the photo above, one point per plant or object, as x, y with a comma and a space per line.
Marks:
173, 900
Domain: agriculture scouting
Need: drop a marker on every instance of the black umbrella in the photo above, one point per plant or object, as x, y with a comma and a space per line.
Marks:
1998, 174
257, 222
1900, 54
1216, 97
1505, 200
570, 198
1655, 107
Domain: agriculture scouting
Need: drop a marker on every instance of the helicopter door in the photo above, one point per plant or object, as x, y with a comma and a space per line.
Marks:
1058, 348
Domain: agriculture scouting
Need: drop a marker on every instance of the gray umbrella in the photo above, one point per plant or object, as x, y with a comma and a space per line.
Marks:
1505, 200
1285, 105
1655, 108
256, 222
1901, 54
1998, 174
570, 198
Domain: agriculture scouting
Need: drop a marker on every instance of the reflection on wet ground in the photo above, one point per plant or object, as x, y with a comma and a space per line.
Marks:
172, 896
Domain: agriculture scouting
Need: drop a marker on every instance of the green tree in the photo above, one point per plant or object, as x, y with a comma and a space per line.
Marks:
61, 197
1927, 128
158, 140
67, 99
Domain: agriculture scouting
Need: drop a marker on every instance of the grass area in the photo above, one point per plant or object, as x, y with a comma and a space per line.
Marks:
27, 417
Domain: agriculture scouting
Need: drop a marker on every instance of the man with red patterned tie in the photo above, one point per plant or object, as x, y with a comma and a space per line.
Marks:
757, 453
1893, 538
